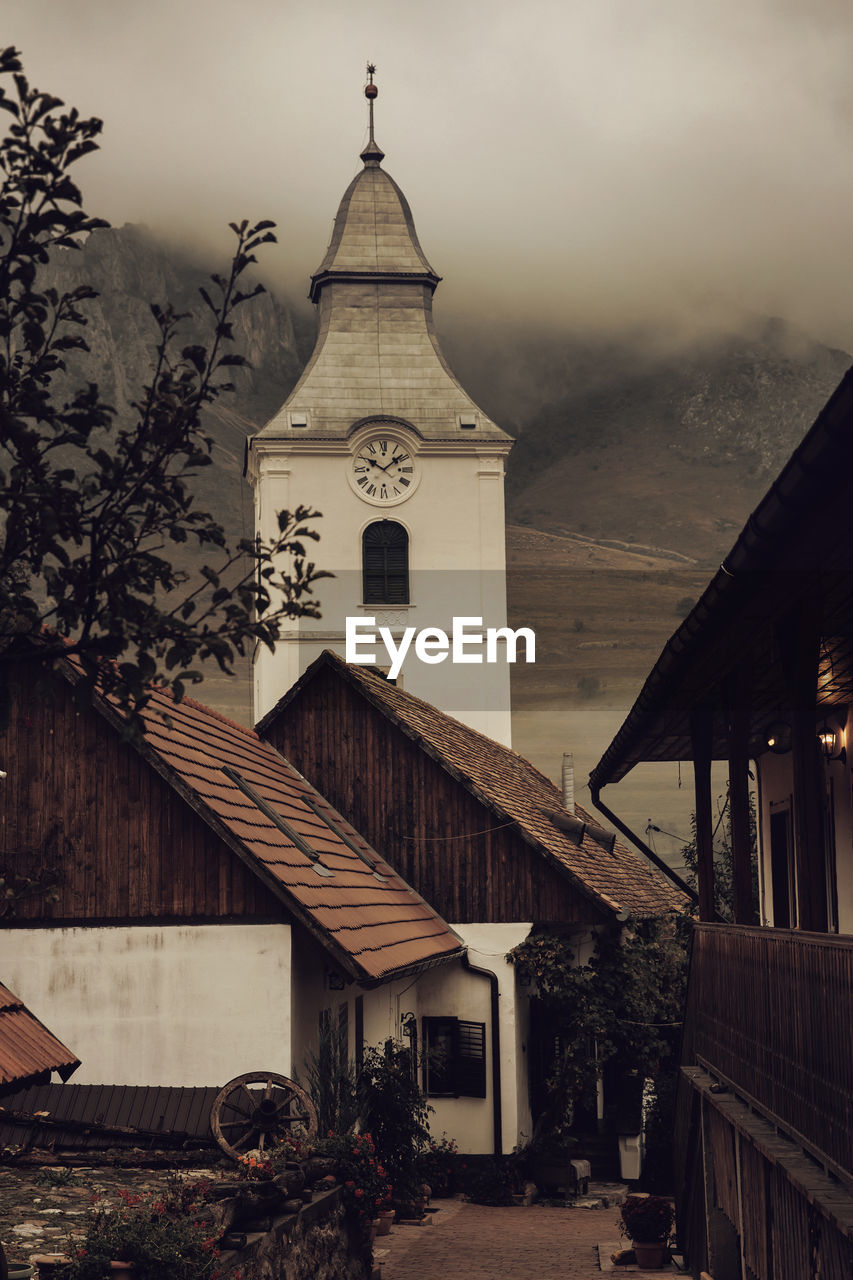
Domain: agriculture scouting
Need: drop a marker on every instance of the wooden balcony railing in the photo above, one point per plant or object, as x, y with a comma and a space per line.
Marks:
771, 1011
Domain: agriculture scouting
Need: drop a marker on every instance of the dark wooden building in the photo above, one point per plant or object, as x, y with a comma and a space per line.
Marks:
761, 675
471, 824
175, 884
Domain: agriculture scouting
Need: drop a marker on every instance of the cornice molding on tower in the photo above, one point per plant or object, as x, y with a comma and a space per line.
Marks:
280, 447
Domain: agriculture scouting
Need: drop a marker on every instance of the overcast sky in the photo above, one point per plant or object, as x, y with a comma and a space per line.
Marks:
596, 161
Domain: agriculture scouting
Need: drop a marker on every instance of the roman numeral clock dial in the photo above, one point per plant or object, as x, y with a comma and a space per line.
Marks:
383, 471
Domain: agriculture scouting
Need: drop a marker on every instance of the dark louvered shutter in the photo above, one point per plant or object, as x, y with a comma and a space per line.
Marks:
471, 1060
454, 1058
385, 560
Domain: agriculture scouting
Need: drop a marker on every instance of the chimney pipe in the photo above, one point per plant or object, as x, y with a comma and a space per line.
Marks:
568, 781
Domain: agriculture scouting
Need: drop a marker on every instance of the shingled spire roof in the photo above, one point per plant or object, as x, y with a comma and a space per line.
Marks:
377, 355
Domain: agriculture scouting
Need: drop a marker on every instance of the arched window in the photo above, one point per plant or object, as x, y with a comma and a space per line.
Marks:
385, 563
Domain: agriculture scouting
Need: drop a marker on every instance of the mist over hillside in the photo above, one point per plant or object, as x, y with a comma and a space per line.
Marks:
643, 442
637, 461
629, 438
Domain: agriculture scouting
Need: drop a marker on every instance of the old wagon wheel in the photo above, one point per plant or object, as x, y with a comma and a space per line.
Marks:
259, 1109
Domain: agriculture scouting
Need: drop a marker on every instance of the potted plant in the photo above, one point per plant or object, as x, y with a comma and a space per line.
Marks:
648, 1222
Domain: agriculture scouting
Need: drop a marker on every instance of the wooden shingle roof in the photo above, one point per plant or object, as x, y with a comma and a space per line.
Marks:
372, 922
514, 790
28, 1051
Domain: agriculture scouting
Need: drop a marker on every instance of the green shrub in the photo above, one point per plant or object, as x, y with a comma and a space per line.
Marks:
162, 1238
395, 1112
489, 1183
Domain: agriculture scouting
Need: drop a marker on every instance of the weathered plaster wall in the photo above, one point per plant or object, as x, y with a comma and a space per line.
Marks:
179, 1005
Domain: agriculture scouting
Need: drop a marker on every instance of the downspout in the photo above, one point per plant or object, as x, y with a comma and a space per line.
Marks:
497, 1099
640, 844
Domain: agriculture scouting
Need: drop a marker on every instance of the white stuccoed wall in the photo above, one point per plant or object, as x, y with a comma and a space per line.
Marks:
449, 990
488, 945
171, 1005
457, 563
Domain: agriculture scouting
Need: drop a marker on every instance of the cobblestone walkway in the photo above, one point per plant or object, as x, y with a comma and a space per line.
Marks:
472, 1242
36, 1217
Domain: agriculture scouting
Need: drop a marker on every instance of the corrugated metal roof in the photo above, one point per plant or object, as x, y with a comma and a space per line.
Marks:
375, 927
514, 789
27, 1049
97, 1116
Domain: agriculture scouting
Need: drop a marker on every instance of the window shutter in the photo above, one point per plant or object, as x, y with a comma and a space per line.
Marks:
385, 563
471, 1059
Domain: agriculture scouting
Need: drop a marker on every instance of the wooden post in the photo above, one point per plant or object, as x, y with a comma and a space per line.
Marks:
799, 646
738, 734
701, 727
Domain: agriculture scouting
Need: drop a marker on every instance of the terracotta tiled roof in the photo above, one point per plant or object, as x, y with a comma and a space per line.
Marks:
27, 1049
514, 789
374, 923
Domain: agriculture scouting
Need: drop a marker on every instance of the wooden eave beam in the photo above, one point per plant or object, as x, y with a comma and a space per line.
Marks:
738, 735
701, 737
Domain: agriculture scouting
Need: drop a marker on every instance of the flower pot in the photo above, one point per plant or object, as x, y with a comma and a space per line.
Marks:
121, 1270
385, 1220
52, 1266
20, 1270
650, 1254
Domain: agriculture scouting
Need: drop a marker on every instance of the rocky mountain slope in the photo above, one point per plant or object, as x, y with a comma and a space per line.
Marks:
642, 444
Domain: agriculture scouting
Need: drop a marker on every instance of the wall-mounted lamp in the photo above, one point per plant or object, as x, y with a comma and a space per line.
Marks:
832, 743
777, 737
408, 1025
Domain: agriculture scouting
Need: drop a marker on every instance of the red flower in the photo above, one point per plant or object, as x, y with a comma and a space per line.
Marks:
358, 1192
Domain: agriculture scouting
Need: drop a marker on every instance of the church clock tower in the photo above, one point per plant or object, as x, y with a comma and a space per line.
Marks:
408, 472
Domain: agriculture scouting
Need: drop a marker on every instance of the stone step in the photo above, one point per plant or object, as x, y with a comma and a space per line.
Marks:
600, 1195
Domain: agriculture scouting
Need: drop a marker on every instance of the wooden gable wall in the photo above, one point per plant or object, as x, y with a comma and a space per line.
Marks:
419, 816
78, 798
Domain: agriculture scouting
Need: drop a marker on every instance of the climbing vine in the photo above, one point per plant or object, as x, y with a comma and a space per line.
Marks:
625, 1004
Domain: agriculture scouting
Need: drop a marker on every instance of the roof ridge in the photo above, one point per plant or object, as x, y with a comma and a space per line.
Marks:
406, 695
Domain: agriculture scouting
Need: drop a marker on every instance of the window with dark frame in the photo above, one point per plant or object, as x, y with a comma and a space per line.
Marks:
454, 1058
385, 563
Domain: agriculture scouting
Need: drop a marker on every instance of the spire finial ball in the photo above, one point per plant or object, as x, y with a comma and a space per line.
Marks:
370, 89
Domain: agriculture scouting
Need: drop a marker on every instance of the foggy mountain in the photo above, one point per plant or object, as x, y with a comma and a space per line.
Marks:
623, 440
633, 458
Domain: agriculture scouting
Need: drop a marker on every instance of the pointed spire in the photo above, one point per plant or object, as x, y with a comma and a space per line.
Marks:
372, 155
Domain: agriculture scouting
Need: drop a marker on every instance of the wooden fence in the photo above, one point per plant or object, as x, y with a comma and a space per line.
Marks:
771, 1011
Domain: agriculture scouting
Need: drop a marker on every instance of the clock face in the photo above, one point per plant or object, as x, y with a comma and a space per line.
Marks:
383, 470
